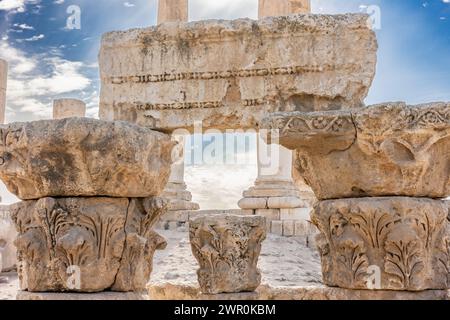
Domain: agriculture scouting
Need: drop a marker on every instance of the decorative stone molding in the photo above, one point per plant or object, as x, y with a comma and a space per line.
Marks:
231, 74
383, 150
83, 157
86, 244
393, 243
227, 248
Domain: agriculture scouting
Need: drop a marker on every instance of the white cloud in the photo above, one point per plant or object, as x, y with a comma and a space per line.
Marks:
33, 81
8, 5
23, 26
33, 38
128, 4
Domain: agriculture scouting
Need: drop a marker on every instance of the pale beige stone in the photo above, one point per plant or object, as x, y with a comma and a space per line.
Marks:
395, 243
285, 202
304, 228
277, 227
231, 74
3, 86
384, 150
288, 228
253, 203
295, 214
269, 214
172, 11
227, 247
8, 259
68, 108
269, 8
168, 291
101, 296
86, 244
83, 157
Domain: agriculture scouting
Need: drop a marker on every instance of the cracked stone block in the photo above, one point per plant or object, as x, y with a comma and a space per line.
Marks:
86, 244
390, 149
83, 157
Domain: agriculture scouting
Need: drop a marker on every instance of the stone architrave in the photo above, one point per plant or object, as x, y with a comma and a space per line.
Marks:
3, 85
268, 8
389, 243
180, 199
231, 74
227, 248
68, 108
83, 157
173, 11
86, 244
384, 150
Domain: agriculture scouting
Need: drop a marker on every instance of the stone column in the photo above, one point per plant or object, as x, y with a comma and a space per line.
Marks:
68, 108
275, 195
172, 11
268, 8
3, 84
180, 199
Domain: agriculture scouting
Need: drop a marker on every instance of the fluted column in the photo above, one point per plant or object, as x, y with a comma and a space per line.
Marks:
172, 11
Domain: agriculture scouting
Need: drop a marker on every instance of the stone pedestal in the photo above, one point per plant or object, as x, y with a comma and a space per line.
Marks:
3, 85
275, 196
269, 8
68, 108
227, 248
173, 11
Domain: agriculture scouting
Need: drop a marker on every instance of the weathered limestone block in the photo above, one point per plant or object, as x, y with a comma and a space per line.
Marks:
68, 108
8, 234
83, 157
227, 248
86, 244
383, 150
395, 243
230, 74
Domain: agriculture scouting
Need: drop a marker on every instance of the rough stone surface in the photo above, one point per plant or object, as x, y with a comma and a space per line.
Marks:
227, 248
8, 259
25, 295
230, 74
86, 244
169, 291
68, 108
383, 150
83, 157
393, 243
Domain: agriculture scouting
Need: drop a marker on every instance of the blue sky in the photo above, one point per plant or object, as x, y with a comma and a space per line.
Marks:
47, 61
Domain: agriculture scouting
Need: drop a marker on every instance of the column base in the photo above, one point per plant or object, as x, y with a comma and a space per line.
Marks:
57, 296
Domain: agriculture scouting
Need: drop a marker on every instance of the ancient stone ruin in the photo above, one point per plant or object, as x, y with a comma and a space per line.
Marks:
90, 191
379, 173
